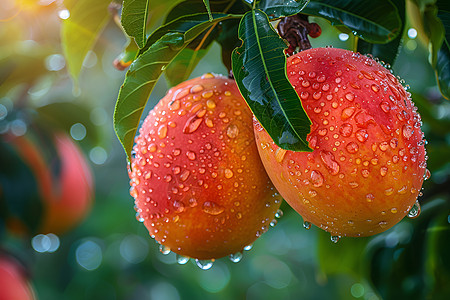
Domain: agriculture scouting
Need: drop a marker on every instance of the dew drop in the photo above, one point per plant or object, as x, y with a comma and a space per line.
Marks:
248, 247
185, 175
394, 210
196, 88
347, 112
403, 190
388, 191
193, 202
279, 154
335, 238
427, 175
204, 264
279, 214
167, 178
382, 224
352, 147
329, 161
273, 223
414, 212
212, 208
350, 96
174, 105
312, 193
164, 250
162, 131
363, 119
353, 184
207, 94
383, 171
306, 225
317, 95
228, 173
191, 155
322, 132
316, 178
232, 131
370, 197
383, 146
393, 143
367, 75
346, 129
321, 78
182, 260
192, 124
236, 257
361, 135
407, 131
385, 106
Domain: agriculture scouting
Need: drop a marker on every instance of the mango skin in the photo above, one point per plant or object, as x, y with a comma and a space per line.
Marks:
196, 176
13, 280
368, 161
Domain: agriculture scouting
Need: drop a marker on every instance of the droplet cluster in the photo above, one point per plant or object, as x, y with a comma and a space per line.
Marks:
369, 160
198, 183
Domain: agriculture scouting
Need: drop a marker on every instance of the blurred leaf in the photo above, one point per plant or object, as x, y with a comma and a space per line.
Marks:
276, 9
437, 126
19, 191
16, 61
373, 21
434, 30
259, 67
228, 40
134, 19
80, 31
397, 257
443, 55
339, 258
182, 66
386, 52
148, 67
63, 115
437, 262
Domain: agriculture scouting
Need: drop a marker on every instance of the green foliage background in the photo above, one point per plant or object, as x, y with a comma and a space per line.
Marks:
111, 256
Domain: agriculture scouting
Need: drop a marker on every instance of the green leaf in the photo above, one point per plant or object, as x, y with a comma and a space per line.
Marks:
183, 65
276, 9
127, 56
386, 52
443, 55
208, 8
259, 67
190, 7
80, 31
373, 21
184, 25
134, 19
435, 31
148, 67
